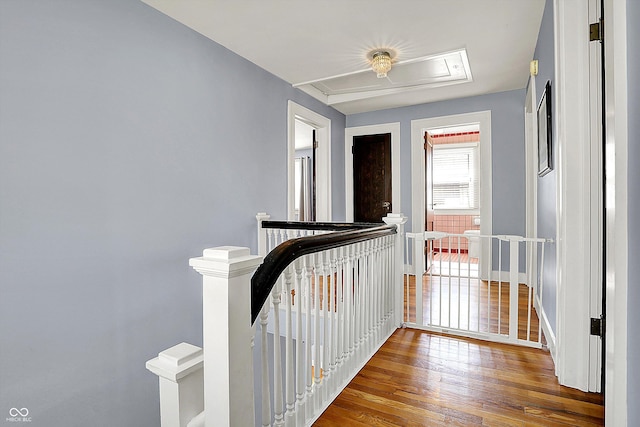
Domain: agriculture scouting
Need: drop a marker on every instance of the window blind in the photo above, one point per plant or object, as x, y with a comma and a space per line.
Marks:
456, 176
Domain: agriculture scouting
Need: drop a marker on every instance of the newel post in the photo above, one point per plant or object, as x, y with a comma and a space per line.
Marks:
179, 370
227, 334
398, 220
262, 233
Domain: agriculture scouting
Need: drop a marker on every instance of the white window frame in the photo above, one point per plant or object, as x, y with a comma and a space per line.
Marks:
476, 149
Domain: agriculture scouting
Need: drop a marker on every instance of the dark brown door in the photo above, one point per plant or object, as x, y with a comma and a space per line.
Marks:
371, 177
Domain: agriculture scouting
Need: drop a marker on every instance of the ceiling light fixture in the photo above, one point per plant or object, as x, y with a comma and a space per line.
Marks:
381, 63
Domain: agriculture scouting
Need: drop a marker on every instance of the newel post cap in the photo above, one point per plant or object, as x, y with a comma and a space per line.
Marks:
177, 362
225, 261
395, 218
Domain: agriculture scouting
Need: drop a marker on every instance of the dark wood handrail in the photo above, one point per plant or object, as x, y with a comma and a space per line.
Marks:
284, 254
319, 226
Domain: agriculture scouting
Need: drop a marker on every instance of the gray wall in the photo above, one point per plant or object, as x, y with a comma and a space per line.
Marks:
128, 143
633, 187
544, 53
507, 149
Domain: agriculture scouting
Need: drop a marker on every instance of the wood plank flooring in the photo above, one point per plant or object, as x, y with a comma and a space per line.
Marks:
419, 378
472, 305
424, 379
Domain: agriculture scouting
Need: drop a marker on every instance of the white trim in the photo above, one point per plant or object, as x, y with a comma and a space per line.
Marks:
571, 110
323, 159
531, 175
418, 127
349, 133
546, 328
616, 203
595, 200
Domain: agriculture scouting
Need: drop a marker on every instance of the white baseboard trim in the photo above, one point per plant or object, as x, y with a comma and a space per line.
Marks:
546, 329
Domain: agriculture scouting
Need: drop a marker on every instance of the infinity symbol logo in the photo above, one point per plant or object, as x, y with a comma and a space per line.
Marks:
14, 412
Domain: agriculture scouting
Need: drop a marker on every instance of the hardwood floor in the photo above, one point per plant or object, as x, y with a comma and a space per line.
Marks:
472, 305
424, 379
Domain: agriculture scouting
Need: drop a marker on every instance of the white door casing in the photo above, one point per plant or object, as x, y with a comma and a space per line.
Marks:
616, 148
349, 133
596, 198
418, 128
323, 159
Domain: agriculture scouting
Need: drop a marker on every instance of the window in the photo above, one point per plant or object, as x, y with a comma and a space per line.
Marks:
456, 176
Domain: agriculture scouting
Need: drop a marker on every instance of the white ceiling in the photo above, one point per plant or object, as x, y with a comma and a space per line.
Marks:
320, 40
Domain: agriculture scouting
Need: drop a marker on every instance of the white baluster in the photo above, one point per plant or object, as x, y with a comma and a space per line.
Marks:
357, 303
317, 261
289, 368
364, 297
271, 239
340, 317
378, 267
395, 290
266, 398
308, 411
278, 409
327, 283
332, 315
349, 314
300, 363
370, 303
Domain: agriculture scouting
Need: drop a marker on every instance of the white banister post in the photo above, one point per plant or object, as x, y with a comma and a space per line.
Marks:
227, 334
398, 268
179, 370
262, 233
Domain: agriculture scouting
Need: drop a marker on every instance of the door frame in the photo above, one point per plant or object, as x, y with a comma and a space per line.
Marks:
531, 176
617, 250
577, 213
418, 128
596, 199
349, 133
323, 159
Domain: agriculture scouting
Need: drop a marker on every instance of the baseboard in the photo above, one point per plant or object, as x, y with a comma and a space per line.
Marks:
546, 328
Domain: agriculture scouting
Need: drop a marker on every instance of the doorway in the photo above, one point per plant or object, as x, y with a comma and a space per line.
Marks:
322, 125
305, 172
482, 121
452, 197
350, 133
372, 177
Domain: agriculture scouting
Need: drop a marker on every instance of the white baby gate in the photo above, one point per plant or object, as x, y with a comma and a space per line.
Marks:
494, 294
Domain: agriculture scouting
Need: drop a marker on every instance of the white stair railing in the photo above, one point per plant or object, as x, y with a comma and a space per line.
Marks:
333, 309
328, 313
